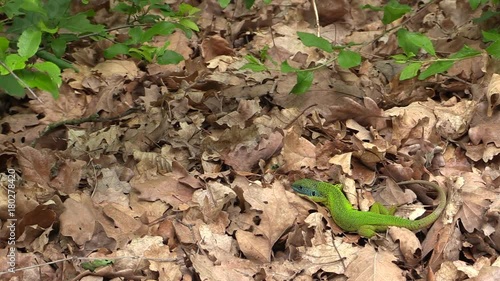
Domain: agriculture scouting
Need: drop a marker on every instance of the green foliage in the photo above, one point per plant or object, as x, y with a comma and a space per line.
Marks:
415, 46
392, 10
348, 59
33, 29
304, 82
311, 40
95, 264
494, 48
248, 3
137, 45
412, 42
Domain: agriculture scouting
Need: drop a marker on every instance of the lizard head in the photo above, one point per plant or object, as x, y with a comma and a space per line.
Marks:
311, 189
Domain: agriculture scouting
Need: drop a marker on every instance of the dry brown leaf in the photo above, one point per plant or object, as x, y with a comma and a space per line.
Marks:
297, 152
164, 262
493, 94
68, 106
244, 157
214, 46
483, 128
409, 244
374, 265
78, 219
109, 189
266, 203
213, 199
19, 122
476, 198
366, 114
41, 167
453, 121
234, 269
123, 68
246, 109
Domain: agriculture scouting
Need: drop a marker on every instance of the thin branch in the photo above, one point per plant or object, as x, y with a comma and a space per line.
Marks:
317, 18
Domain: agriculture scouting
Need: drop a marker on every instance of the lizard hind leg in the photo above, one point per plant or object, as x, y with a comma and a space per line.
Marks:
378, 208
369, 231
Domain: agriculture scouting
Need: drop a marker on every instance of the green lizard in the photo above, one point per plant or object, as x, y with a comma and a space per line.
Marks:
365, 224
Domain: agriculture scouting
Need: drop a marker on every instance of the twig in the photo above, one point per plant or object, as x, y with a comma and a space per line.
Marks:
315, 8
91, 259
92, 118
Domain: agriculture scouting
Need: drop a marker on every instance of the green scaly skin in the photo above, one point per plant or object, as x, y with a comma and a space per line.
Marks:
366, 224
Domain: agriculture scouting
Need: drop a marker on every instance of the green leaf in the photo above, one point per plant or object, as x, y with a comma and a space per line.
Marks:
170, 57
373, 8
224, 3
491, 36
28, 42
486, 15
126, 9
411, 42
254, 67
138, 54
410, 71
393, 11
311, 40
80, 24
286, 68
135, 34
95, 264
304, 82
51, 69
252, 59
189, 24
435, 68
465, 52
4, 44
58, 45
56, 9
148, 52
161, 28
13, 62
348, 59
116, 49
44, 28
186, 9
40, 80
400, 58
249, 3
494, 49
11, 86
474, 4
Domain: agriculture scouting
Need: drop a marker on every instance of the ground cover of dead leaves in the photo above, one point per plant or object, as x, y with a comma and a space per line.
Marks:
194, 184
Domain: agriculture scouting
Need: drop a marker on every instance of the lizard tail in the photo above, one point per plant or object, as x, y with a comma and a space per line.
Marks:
428, 220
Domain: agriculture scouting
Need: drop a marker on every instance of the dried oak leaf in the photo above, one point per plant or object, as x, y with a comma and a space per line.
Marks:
374, 265
230, 270
366, 114
215, 46
78, 219
272, 213
297, 152
175, 188
493, 94
42, 167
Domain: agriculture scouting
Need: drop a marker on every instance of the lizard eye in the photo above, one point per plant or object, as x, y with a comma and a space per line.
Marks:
313, 193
